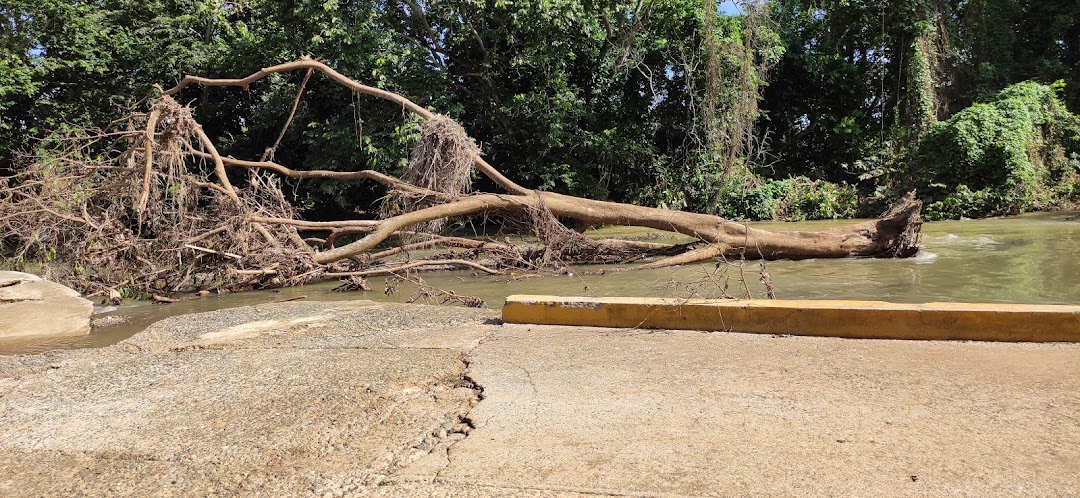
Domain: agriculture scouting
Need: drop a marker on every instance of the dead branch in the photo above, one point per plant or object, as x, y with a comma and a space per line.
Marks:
148, 163
412, 265
211, 251
471, 205
702, 254
219, 166
305, 63
386, 180
428, 293
439, 241
269, 152
220, 236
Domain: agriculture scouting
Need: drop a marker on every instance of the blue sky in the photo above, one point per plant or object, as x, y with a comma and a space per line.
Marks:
729, 7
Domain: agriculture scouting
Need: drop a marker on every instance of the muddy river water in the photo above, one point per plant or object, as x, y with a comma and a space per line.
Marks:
1033, 258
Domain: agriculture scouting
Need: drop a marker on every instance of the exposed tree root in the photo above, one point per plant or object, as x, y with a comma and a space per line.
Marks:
157, 212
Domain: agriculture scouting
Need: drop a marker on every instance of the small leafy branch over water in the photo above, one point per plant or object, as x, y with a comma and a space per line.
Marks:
150, 205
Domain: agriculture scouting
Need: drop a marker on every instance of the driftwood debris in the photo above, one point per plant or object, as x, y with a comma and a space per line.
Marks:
160, 213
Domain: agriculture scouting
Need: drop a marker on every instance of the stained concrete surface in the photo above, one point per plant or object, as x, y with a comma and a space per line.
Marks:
329, 402
998, 322
604, 411
366, 399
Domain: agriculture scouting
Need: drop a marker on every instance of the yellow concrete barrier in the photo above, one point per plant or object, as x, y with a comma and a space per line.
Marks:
851, 319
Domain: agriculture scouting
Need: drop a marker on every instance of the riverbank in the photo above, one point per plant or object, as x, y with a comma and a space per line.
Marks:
363, 398
1029, 259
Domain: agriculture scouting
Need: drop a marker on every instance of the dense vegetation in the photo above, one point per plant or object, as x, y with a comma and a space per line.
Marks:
1016, 153
788, 109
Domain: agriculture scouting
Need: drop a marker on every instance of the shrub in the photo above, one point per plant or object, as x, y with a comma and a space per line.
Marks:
792, 199
1002, 157
964, 203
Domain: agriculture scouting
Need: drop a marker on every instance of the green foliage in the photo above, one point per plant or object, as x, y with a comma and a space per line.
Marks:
964, 203
597, 98
65, 63
827, 105
864, 79
1002, 157
792, 199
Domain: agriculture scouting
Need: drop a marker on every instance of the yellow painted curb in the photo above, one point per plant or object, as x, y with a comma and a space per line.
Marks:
851, 319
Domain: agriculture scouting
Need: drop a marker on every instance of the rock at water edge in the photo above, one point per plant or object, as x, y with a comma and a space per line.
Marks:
30, 306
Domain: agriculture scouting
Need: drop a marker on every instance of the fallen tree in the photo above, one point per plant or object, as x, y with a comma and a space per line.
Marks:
158, 212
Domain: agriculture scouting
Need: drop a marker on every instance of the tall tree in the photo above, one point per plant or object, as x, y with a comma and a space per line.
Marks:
65, 63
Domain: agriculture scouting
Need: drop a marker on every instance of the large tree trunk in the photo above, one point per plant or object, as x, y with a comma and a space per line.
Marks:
146, 222
895, 234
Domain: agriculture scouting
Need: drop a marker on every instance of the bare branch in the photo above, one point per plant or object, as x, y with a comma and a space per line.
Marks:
438, 241
269, 152
415, 264
367, 174
694, 256
151, 125
481, 164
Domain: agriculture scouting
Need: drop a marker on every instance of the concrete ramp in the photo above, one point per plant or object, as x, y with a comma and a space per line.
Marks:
589, 412
848, 319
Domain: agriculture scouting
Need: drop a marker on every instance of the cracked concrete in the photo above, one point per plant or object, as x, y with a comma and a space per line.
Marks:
293, 399
366, 399
578, 411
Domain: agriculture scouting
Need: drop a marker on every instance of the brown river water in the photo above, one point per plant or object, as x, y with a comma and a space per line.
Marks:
1034, 258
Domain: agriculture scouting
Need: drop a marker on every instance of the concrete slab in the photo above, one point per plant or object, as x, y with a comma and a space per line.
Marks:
586, 411
305, 399
365, 399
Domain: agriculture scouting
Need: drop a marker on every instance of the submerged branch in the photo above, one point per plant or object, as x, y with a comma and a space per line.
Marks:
415, 264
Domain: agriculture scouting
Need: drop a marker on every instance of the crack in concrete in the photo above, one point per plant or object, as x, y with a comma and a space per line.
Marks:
528, 375
471, 384
460, 424
445, 436
565, 489
532, 385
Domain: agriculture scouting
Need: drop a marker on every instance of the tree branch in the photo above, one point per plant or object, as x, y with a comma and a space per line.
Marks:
269, 152
151, 125
415, 264
481, 165
387, 180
